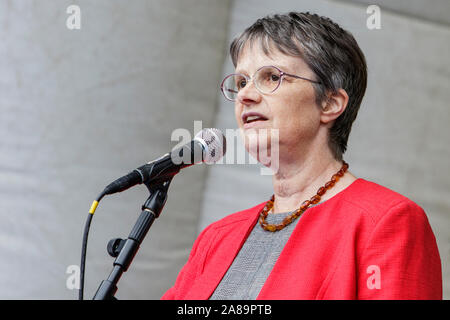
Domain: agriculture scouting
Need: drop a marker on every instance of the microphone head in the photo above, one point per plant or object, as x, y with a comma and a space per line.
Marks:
214, 144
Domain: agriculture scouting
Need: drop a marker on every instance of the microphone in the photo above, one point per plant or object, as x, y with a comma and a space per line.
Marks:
209, 146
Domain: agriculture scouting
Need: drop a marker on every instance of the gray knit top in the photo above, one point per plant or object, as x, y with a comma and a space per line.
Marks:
254, 262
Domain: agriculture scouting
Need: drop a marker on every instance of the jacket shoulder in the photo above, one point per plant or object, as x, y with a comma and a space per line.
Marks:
377, 200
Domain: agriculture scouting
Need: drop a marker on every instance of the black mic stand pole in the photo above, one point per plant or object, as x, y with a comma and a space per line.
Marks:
125, 250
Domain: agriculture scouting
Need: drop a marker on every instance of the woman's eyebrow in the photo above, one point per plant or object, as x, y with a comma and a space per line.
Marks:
240, 71
282, 67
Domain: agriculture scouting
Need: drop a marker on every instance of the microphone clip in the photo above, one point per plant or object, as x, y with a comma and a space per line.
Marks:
115, 246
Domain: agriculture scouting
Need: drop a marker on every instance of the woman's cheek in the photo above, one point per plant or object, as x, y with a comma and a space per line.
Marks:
261, 144
237, 116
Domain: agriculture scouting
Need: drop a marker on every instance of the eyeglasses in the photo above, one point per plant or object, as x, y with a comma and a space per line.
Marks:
266, 79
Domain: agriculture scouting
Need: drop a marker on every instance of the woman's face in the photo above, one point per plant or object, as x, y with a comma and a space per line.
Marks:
291, 109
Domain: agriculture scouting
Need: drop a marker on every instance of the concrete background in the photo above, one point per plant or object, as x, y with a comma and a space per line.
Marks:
79, 108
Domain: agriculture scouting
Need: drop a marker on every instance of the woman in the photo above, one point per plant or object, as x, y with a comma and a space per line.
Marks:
325, 234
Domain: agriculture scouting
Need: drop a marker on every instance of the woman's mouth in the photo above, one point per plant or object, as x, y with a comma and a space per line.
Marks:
252, 119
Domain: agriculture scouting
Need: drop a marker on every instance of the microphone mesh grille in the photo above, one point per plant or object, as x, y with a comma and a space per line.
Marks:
216, 144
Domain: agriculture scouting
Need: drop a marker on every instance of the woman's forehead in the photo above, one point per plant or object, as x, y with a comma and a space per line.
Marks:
254, 56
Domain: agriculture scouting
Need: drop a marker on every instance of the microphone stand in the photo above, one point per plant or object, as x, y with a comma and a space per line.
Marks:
125, 250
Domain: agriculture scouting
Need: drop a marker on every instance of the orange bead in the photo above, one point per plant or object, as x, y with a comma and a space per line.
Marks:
329, 184
287, 220
305, 205
315, 199
321, 191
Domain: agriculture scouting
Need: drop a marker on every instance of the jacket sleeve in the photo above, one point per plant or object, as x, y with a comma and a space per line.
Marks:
401, 260
190, 270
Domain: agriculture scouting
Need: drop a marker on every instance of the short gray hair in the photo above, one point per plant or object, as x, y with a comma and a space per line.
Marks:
331, 52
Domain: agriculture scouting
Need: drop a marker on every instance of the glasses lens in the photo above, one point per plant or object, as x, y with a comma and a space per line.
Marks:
267, 79
232, 85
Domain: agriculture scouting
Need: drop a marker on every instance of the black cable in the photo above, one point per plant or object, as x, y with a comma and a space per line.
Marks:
84, 244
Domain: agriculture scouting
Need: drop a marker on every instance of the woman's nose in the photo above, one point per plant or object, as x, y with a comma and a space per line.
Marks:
249, 94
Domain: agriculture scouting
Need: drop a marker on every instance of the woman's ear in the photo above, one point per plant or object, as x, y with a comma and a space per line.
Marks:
333, 106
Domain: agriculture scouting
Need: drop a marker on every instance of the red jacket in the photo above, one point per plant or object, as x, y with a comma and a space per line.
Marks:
366, 242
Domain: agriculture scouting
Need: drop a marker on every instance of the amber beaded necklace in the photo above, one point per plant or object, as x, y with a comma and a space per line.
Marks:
297, 213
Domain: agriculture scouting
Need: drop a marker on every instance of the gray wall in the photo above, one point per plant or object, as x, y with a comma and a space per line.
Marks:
78, 108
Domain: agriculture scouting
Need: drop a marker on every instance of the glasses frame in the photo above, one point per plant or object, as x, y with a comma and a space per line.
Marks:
250, 79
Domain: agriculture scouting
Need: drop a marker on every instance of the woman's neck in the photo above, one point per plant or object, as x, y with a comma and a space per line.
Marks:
299, 180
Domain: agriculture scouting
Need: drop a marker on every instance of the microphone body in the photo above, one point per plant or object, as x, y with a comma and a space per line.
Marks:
207, 146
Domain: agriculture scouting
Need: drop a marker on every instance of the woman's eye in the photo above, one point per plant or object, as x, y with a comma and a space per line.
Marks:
241, 84
275, 77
